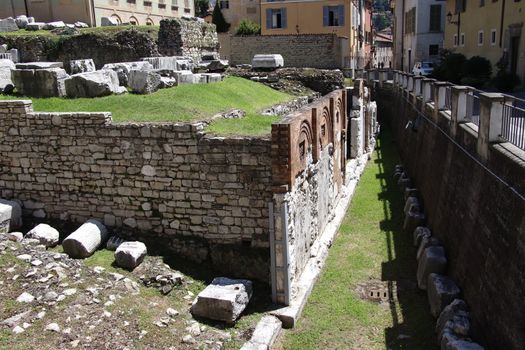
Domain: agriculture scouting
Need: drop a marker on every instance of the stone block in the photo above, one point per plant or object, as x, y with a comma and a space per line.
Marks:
21, 21
144, 82
413, 219
81, 66
419, 233
184, 77
457, 307
404, 182
85, 240
267, 61
123, 69
441, 291
79, 24
409, 202
179, 63
8, 25
45, 234
54, 25
108, 21
433, 260
129, 255
212, 77
223, 300
10, 215
41, 82
411, 192
425, 242
93, 84
6, 84
35, 26
39, 65
267, 331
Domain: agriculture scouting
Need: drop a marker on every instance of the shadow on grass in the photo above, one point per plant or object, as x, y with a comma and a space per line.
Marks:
413, 326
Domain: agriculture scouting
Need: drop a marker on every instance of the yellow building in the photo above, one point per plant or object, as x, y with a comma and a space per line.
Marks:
234, 11
138, 12
489, 28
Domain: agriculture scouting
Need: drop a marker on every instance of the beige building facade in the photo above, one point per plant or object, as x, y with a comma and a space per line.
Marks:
493, 29
234, 11
137, 12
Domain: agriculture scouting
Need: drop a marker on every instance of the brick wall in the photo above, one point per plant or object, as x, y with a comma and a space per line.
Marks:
204, 197
309, 50
480, 220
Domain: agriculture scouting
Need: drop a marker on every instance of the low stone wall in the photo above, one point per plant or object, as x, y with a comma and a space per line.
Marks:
203, 197
309, 50
473, 201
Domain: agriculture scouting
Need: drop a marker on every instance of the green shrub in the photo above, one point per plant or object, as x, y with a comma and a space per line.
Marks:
450, 68
217, 18
477, 71
506, 81
247, 27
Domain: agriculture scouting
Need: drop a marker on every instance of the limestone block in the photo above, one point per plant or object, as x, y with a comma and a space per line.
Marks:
81, 66
93, 84
441, 291
425, 242
212, 77
85, 240
8, 25
6, 84
54, 25
45, 234
130, 254
171, 62
184, 77
223, 300
40, 82
10, 215
267, 331
249, 345
79, 24
409, 202
413, 219
167, 82
457, 307
21, 21
39, 65
217, 65
108, 21
144, 82
35, 26
267, 61
433, 260
419, 233
448, 337
123, 69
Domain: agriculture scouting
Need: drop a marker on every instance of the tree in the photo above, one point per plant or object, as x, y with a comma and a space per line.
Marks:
201, 7
247, 27
218, 19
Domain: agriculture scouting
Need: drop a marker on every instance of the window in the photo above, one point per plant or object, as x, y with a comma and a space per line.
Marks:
132, 1
133, 21
455, 40
174, 5
410, 21
224, 4
433, 50
147, 3
333, 16
435, 18
493, 37
149, 22
481, 3
480, 38
461, 6
462, 39
275, 18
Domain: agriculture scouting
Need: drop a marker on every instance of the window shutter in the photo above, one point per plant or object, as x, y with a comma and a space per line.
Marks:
341, 15
325, 16
284, 21
268, 18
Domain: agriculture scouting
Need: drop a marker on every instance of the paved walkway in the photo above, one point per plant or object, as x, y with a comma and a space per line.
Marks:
370, 246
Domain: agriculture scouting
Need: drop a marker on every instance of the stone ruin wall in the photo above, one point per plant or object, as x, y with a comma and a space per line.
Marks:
203, 197
177, 37
308, 175
191, 38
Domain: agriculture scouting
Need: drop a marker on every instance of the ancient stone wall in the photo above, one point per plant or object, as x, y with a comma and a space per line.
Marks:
187, 37
122, 46
308, 168
473, 202
308, 50
205, 198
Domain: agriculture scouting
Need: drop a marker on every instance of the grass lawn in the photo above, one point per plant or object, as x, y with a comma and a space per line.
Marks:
182, 103
370, 245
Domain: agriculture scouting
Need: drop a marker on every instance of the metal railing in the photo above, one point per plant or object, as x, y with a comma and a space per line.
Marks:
513, 124
473, 108
448, 98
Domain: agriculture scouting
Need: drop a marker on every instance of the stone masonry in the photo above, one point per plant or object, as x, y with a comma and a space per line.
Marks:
204, 197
